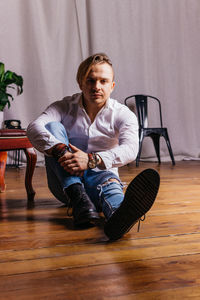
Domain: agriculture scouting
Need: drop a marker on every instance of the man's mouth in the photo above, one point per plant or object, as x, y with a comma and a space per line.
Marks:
96, 94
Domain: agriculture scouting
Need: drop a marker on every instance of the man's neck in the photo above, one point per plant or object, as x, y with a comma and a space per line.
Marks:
91, 109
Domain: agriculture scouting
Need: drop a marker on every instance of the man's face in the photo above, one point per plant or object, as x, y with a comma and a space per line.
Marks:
98, 85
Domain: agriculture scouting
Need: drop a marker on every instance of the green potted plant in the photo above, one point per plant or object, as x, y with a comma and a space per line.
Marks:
7, 80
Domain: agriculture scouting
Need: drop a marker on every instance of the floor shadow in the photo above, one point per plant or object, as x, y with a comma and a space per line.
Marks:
69, 224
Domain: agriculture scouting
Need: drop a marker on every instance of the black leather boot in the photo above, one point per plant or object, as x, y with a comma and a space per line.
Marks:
84, 211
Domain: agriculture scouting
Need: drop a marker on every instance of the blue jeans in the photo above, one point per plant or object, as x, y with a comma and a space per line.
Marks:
106, 196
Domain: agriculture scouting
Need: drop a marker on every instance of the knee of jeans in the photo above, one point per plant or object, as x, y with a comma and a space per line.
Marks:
52, 126
110, 181
58, 130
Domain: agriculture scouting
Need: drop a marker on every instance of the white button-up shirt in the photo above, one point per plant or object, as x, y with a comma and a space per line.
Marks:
113, 134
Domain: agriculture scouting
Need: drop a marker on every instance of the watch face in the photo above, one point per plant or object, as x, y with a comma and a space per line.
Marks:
92, 164
92, 161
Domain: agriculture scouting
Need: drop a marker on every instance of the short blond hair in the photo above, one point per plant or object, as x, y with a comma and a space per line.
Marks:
86, 65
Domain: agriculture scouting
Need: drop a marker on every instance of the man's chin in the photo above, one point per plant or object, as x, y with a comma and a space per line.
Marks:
97, 98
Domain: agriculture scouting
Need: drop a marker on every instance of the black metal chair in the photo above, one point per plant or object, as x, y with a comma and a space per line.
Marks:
141, 104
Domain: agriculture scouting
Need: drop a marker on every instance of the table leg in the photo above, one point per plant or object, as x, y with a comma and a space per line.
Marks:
3, 159
31, 162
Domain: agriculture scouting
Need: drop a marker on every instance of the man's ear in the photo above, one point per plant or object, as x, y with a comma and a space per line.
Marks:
113, 85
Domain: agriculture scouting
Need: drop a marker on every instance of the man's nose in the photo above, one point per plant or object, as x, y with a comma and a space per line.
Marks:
97, 85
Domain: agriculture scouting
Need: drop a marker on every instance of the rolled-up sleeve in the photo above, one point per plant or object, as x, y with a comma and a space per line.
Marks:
126, 126
37, 133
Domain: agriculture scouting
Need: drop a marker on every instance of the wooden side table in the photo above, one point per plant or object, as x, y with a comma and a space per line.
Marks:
16, 139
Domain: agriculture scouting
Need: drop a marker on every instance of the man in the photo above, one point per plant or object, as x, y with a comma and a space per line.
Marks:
85, 138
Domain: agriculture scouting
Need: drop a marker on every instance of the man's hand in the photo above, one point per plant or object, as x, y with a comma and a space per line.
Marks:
75, 162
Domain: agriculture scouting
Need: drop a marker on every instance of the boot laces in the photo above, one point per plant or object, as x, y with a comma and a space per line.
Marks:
141, 220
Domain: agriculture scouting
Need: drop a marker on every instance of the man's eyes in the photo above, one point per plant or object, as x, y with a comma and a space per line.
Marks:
90, 80
103, 81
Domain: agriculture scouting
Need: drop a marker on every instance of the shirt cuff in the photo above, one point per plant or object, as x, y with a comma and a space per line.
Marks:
107, 158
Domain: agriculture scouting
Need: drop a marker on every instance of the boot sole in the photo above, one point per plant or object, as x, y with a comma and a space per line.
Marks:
139, 198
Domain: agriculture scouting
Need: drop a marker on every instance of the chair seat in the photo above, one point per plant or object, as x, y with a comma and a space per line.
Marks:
155, 130
16, 139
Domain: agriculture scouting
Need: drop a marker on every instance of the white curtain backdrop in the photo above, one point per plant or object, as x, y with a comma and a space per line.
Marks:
154, 46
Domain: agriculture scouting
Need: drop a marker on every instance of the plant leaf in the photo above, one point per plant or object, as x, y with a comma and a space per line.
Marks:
1, 71
4, 100
9, 95
7, 79
13, 78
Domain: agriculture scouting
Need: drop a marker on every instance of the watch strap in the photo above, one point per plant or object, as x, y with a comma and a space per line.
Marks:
91, 161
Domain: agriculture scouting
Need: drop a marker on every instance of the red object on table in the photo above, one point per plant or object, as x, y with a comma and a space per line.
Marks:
16, 139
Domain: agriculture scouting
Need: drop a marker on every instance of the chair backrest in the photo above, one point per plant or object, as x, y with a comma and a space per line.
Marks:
141, 102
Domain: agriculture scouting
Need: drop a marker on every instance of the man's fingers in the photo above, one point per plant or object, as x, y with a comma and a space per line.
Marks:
65, 157
69, 164
74, 148
72, 167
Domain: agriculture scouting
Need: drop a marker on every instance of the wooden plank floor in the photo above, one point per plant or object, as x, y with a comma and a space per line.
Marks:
43, 257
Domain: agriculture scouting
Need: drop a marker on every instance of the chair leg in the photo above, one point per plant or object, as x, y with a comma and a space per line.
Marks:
137, 160
156, 142
169, 146
140, 149
31, 162
3, 159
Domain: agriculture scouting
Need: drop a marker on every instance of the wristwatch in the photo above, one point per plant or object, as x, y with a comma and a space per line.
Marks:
92, 162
